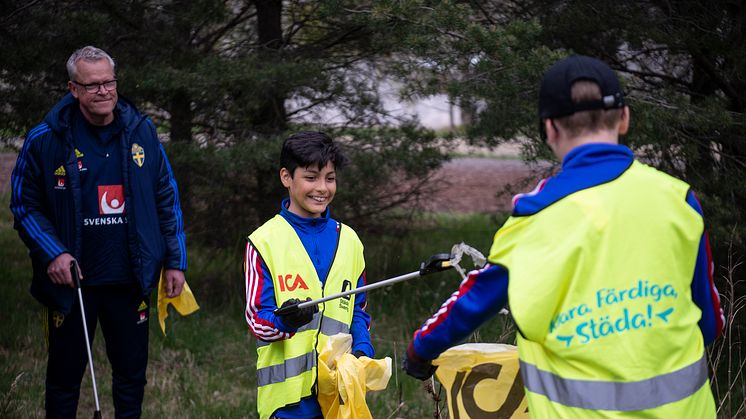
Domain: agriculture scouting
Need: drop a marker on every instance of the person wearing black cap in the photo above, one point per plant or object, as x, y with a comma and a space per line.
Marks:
606, 267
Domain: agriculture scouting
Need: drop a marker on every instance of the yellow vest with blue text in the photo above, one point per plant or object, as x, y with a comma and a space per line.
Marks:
286, 369
600, 288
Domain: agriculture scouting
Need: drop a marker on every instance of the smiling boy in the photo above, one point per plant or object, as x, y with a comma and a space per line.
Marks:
302, 253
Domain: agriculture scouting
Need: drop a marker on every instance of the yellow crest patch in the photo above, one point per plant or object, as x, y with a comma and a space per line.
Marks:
58, 318
78, 153
142, 307
138, 154
60, 171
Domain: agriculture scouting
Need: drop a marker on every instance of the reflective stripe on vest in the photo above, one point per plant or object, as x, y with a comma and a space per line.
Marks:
622, 396
286, 369
329, 327
291, 368
611, 268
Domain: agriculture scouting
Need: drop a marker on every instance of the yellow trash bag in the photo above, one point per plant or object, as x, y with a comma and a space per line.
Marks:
483, 381
344, 379
185, 304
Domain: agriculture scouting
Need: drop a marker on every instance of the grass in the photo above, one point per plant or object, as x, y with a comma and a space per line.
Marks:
726, 356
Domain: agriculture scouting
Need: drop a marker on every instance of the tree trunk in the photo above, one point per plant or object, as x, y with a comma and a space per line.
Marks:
181, 117
271, 116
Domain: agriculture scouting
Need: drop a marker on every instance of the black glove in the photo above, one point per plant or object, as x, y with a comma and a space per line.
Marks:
358, 354
297, 318
415, 366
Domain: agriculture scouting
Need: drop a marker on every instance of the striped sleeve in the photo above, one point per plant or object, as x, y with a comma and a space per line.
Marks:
704, 292
170, 215
260, 299
27, 201
481, 295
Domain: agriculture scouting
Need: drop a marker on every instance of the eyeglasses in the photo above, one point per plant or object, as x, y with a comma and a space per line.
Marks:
108, 86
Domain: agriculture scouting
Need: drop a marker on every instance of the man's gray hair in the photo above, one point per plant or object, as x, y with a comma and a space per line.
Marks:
88, 53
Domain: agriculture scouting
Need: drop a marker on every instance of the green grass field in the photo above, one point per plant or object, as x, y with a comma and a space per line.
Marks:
205, 366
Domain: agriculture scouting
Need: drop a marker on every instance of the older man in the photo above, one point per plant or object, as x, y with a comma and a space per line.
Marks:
92, 184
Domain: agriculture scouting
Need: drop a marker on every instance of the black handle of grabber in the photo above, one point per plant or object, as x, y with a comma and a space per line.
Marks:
74, 273
97, 414
436, 263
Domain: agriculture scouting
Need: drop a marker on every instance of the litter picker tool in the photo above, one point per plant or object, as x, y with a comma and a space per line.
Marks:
435, 263
76, 279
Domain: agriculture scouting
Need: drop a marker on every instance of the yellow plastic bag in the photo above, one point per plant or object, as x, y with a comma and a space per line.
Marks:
185, 304
483, 380
344, 379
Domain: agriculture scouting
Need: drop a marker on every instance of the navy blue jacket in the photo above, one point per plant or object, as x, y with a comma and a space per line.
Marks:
46, 200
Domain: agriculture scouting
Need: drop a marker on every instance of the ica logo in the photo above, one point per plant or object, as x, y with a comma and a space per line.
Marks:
290, 283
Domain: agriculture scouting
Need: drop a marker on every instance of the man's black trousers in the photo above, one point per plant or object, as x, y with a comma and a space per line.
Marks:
123, 315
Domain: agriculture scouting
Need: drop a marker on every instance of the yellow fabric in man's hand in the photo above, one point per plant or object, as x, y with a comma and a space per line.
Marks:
185, 304
344, 379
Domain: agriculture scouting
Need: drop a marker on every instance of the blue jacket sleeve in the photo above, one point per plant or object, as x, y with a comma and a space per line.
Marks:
169, 213
27, 201
481, 295
704, 292
260, 300
360, 328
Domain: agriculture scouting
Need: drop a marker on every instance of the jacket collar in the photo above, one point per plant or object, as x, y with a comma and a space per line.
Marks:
306, 225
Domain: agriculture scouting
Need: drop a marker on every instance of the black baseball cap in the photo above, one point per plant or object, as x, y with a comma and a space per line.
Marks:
555, 97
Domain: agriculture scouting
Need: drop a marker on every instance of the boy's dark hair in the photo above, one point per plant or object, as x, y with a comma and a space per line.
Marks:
307, 148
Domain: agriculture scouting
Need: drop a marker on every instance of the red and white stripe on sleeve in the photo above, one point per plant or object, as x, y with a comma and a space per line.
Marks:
254, 279
442, 314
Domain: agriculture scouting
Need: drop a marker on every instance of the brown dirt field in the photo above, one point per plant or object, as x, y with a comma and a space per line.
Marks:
469, 184
483, 185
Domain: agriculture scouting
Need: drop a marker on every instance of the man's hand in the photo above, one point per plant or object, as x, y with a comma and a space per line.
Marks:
299, 317
174, 282
59, 270
415, 366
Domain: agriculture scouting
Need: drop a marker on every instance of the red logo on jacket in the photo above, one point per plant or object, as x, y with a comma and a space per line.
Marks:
110, 199
288, 283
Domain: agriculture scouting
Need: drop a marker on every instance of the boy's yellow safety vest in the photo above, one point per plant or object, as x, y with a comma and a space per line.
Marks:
286, 369
600, 288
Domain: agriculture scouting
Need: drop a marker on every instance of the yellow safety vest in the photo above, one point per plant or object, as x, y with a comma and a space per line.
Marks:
286, 369
600, 288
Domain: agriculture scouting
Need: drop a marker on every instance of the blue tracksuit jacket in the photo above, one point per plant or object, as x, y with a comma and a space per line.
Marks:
46, 200
485, 291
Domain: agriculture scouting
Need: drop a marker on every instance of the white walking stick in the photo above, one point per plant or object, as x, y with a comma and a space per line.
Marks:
76, 279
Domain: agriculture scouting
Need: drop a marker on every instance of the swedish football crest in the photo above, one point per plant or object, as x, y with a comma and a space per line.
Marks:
58, 318
138, 154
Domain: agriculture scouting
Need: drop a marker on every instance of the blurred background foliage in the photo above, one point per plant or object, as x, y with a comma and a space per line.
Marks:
226, 80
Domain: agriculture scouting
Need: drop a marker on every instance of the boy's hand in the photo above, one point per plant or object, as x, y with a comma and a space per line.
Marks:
415, 366
297, 318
